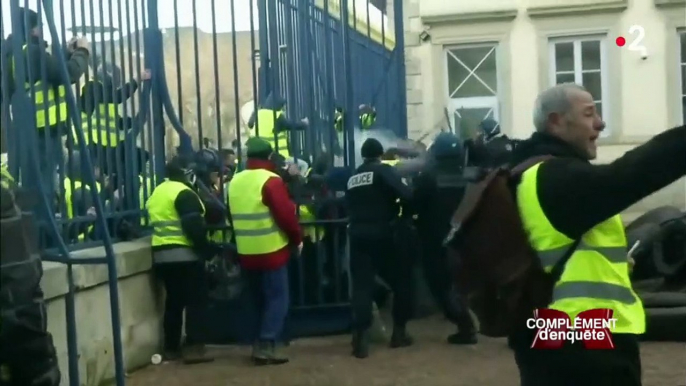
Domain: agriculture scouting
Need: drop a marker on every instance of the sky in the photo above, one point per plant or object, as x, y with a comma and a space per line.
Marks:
184, 9
222, 10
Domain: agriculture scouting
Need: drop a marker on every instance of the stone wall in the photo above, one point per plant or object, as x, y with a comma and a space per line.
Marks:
140, 305
416, 122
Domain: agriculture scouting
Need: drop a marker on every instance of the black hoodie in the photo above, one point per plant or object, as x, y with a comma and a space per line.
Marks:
576, 195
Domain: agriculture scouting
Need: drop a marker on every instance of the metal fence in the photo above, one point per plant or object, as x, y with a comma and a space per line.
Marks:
87, 138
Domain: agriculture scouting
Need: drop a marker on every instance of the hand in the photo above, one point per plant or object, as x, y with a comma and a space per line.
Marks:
305, 121
82, 43
146, 75
300, 249
71, 45
91, 211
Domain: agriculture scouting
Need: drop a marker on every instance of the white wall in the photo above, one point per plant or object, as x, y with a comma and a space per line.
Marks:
643, 96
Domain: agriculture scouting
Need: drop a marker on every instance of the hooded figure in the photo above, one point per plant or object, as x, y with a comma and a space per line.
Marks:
439, 191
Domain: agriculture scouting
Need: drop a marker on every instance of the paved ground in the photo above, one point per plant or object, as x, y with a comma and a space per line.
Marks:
430, 362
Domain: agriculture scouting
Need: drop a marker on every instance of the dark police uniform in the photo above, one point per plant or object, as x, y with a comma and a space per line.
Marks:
27, 353
438, 192
372, 196
492, 149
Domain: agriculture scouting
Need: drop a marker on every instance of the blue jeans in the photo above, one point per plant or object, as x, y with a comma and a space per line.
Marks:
270, 289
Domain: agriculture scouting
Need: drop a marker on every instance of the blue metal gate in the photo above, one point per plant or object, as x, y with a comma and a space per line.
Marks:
212, 63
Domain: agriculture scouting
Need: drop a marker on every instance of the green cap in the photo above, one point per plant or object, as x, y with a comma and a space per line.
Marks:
258, 147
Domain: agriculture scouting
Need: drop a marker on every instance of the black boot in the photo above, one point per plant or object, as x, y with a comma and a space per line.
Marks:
400, 337
463, 338
361, 344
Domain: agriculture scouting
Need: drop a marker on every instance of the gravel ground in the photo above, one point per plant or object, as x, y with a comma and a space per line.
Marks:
430, 362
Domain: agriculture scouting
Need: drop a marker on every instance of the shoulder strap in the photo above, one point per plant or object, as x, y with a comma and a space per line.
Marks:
522, 167
474, 191
472, 197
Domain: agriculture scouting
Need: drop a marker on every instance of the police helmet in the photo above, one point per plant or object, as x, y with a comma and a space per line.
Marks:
446, 145
179, 169
207, 161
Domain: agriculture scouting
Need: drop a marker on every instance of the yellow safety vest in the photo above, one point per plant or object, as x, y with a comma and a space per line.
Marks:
141, 194
255, 229
596, 275
393, 162
102, 126
6, 178
68, 191
55, 105
266, 120
221, 236
164, 218
314, 233
367, 120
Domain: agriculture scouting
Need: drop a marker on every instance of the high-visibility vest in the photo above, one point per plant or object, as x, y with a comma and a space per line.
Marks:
338, 121
596, 275
221, 236
6, 178
393, 162
69, 188
255, 230
267, 122
102, 125
141, 193
314, 233
164, 218
367, 120
51, 100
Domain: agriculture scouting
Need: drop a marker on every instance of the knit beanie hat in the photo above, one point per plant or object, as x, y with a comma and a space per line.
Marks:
257, 147
371, 148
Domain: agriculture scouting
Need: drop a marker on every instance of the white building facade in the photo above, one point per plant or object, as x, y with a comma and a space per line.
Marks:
490, 58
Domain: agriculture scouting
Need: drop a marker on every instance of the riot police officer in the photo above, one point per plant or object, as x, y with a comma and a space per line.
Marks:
27, 353
438, 192
492, 148
374, 195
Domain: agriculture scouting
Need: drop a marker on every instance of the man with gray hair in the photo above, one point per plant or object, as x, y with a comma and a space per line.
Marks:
570, 212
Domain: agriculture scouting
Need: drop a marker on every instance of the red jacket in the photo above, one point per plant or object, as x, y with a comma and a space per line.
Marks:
275, 197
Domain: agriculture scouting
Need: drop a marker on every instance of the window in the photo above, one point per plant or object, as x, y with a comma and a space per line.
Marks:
682, 37
472, 87
582, 61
